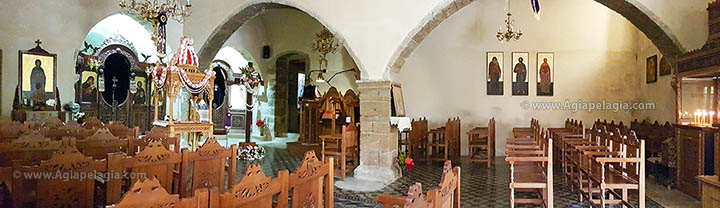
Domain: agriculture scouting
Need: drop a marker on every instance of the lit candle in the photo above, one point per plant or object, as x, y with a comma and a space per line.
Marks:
712, 113
704, 117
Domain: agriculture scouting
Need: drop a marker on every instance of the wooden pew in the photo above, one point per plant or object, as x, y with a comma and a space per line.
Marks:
150, 193
481, 140
209, 169
621, 168
313, 184
120, 130
156, 134
28, 149
519, 132
531, 170
65, 180
93, 123
153, 161
444, 142
345, 147
446, 195
418, 139
101, 143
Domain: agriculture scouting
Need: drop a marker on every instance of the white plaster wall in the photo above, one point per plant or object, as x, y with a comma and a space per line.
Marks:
596, 59
686, 18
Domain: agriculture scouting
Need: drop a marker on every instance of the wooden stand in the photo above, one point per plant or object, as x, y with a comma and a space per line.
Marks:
710, 190
694, 156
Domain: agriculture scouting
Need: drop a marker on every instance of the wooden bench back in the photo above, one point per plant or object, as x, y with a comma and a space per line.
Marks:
350, 136
156, 134
445, 195
65, 180
313, 183
28, 149
153, 161
120, 130
150, 193
93, 123
255, 190
101, 143
209, 168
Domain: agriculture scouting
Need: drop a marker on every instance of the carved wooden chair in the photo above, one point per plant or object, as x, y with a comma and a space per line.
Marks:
53, 122
531, 171
156, 134
13, 130
28, 149
149, 193
120, 130
313, 183
444, 142
481, 143
522, 132
153, 161
211, 165
615, 171
344, 147
74, 189
255, 190
418, 139
101, 143
445, 195
93, 123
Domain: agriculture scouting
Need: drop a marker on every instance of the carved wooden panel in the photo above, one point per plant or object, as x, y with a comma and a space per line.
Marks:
689, 160
71, 190
29, 149
149, 193
257, 190
155, 161
102, 142
208, 166
311, 182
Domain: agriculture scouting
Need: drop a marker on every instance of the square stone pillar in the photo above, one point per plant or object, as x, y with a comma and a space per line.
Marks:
378, 143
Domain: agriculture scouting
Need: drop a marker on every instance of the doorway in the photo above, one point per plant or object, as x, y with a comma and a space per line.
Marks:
117, 79
287, 113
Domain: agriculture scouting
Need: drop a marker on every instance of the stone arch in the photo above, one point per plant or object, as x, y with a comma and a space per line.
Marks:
632, 10
251, 9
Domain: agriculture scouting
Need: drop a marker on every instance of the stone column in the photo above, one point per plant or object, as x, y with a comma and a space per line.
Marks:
378, 143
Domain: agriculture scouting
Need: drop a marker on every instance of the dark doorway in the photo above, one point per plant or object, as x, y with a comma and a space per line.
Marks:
117, 78
295, 67
219, 88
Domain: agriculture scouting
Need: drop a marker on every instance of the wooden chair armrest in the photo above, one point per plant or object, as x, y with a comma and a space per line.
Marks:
529, 139
591, 153
526, 159
572, 136
515, 146
589, 148
390, 201
618, 160
512, 153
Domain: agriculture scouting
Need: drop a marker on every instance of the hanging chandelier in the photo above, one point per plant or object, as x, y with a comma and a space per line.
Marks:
157, 12
509, 33
325, 43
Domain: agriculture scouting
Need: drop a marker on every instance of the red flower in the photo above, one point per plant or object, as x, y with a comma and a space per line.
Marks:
409, 164
260, 123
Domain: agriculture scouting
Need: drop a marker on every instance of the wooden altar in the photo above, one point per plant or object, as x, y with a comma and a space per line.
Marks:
183, 74
696, 84
326, 115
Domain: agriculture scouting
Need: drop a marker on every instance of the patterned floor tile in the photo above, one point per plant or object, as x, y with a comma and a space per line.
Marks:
481, 186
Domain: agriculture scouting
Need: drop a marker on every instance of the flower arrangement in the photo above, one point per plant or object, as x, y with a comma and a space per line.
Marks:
260, 124
251, 153
405, 162
251, 79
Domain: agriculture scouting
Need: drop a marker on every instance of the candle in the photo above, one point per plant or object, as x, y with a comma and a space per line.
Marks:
712, 113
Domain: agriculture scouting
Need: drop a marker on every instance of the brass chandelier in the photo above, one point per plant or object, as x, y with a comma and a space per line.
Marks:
509, 33
325, 43
157, 12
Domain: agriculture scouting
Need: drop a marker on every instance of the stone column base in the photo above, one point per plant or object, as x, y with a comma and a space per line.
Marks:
378, 142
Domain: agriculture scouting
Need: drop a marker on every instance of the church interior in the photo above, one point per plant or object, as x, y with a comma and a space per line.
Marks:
373, 103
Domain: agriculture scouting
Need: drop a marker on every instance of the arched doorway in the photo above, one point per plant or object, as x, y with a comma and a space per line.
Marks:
116, 72
291, 69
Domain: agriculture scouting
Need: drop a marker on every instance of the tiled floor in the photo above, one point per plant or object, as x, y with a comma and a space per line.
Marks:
481, 186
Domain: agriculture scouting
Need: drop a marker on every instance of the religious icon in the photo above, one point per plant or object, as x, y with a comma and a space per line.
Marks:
545, 72
520, 73
665, 67
88, 86
494, 73
140, 91
651, 69
37, 75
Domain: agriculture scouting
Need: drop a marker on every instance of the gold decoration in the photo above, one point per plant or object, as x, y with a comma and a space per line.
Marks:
325, 43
